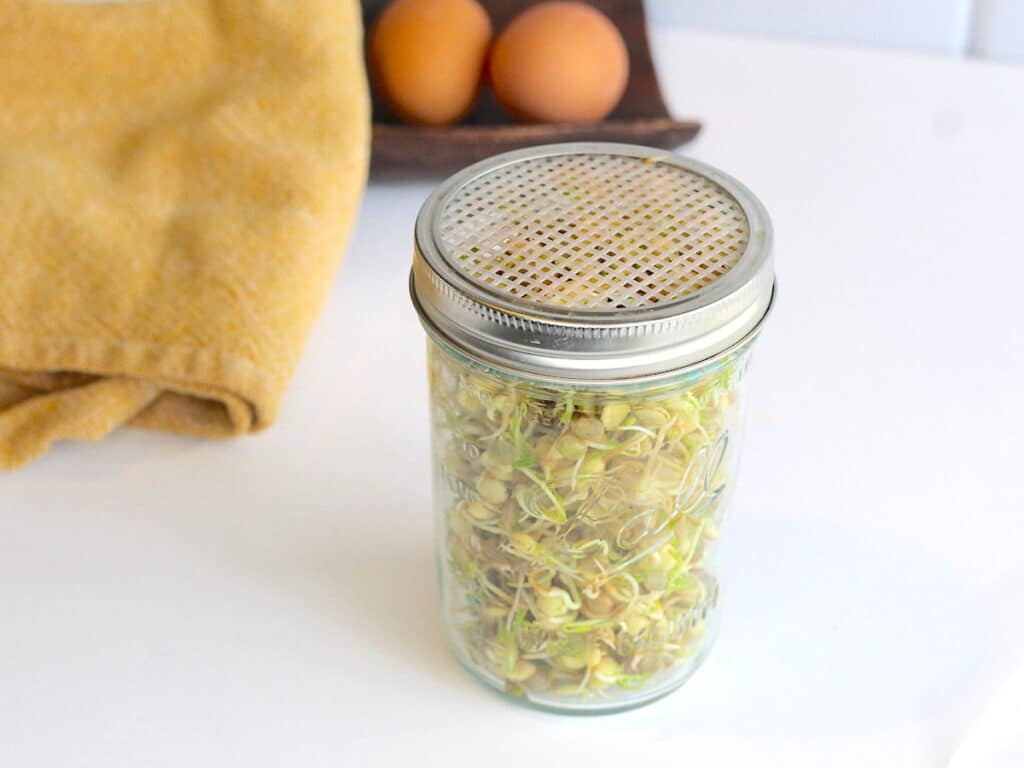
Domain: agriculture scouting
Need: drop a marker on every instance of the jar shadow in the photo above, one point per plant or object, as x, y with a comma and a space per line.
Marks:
378, 588
389, 593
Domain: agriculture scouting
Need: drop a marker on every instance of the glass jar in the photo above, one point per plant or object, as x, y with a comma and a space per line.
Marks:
591, 310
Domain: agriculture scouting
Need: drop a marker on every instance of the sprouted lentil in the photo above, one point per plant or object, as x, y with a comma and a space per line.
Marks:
577, 525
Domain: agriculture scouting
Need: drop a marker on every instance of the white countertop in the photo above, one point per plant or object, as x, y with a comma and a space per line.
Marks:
270, 601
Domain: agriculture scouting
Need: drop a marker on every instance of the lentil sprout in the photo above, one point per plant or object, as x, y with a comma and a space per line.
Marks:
577, 524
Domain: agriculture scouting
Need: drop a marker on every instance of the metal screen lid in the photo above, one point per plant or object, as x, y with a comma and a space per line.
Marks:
592, 261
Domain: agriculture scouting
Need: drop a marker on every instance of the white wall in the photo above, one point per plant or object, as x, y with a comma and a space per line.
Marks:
999, 30
981, 27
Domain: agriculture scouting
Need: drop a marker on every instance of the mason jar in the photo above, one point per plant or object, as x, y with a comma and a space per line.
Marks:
591, 310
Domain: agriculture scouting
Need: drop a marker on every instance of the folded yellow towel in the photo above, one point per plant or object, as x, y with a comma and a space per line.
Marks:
177, 181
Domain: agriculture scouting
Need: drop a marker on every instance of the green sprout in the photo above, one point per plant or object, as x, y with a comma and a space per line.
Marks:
578, 524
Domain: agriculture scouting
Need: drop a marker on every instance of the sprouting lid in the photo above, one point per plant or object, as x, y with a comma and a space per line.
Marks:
592, 261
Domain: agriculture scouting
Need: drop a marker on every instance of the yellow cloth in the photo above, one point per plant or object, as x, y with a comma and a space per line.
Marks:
177, 181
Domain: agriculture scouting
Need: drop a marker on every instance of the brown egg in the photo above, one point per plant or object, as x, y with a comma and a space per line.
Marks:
427, 57
559, 62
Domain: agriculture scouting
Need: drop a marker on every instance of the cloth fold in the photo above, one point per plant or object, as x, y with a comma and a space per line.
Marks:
177, 182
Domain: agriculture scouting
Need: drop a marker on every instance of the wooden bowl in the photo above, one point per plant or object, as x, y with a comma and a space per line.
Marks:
641, 117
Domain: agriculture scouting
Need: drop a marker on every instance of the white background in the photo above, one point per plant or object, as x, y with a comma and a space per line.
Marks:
986, 28
270, 602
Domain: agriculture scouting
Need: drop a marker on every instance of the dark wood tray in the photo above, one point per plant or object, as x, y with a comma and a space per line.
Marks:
641, 117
